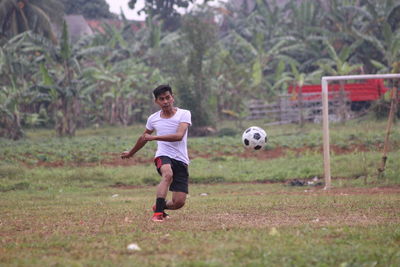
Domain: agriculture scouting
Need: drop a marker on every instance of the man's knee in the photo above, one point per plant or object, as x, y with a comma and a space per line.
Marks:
178, 200
179, 203
167, 177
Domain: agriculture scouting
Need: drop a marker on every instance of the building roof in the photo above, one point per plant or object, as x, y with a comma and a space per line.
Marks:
78, 26
96, 25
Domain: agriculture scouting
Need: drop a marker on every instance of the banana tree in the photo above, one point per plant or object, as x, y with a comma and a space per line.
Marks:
59, 69
388, 48
261, 40
119, 93
15, 73
342, 15
299, 79
377, 13
10, 115
230, 86
305, 28
375, 23
338, 64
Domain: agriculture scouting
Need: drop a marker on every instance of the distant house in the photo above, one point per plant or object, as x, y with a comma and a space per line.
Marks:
77, 27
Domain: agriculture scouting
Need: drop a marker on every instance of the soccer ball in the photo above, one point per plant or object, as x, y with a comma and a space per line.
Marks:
254, 137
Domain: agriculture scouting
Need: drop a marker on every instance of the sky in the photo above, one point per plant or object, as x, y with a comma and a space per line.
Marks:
116, 5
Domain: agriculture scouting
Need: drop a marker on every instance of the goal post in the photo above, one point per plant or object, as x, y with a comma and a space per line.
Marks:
325, 114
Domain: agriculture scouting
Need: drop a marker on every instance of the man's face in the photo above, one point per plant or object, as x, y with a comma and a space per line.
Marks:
165, 100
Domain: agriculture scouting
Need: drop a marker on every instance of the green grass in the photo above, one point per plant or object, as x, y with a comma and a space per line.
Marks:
70, 202
30, 163
234, 225
222, 169
94, 145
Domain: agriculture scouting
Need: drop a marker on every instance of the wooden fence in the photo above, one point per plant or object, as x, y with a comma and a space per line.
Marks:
299, 109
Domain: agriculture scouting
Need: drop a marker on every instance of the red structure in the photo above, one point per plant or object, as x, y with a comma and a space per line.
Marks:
359, 95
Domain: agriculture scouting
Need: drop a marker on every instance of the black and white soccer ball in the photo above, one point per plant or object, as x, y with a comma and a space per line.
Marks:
254, 138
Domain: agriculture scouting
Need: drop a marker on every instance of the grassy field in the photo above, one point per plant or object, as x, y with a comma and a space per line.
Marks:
73, 202
233, 225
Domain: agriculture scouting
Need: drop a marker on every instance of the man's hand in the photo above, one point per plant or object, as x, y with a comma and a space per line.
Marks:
126, 155
139, 144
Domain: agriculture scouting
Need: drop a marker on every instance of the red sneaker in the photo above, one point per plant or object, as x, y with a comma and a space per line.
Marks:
165, 215
157, 217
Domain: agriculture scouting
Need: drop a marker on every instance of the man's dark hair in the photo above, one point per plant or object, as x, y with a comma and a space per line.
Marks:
162, 89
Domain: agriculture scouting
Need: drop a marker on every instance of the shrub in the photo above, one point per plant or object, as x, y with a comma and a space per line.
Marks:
227, 132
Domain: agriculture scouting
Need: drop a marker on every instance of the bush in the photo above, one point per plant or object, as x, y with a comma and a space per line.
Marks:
10, 172
14, 187
207, 180
381, 109
227, 132
150, 181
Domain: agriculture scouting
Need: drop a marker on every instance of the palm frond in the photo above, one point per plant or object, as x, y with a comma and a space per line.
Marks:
96, 50
331, 50
391, 11
371, 39
357, 10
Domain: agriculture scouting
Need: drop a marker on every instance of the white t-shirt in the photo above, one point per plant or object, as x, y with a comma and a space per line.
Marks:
175, 150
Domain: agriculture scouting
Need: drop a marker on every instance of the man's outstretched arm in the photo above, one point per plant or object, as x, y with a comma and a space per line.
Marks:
139, 144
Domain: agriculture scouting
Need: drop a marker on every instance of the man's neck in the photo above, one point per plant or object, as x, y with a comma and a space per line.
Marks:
168, 113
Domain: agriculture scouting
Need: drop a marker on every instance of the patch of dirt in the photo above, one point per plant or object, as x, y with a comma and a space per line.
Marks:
395, 189
53, 164
342, 191
114, 159
111, 159
274, 153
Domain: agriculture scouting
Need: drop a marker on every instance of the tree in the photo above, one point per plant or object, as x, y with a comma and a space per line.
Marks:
200, 33
231, 85
94, 9
17, 16
185, 56
165, 10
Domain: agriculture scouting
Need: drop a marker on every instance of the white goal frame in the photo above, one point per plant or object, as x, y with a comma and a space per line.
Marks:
325, 112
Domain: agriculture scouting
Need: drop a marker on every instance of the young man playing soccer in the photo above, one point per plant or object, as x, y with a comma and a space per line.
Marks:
171, 125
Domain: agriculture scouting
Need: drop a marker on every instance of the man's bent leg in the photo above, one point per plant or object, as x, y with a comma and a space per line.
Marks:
177, 202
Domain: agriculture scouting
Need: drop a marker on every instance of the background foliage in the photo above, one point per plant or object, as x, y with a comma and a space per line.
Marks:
216, 58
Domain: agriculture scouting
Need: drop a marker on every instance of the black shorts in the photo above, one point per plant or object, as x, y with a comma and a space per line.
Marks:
180, 177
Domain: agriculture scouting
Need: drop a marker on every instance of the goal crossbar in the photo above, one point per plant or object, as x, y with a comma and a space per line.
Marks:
325, 114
